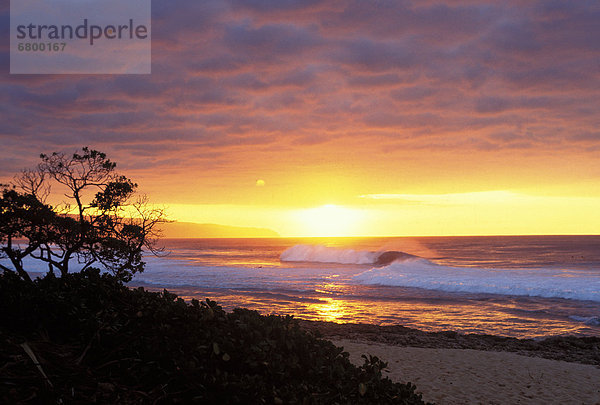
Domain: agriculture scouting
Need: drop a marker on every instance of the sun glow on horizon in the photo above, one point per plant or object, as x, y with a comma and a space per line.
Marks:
501, 212
329, 220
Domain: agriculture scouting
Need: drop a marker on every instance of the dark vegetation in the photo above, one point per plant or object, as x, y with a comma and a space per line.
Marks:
87, 338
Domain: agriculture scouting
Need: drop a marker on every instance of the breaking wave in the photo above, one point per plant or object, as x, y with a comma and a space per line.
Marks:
324, 254
399, 269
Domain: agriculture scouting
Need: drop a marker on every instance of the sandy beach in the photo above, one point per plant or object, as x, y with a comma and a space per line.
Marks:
466, 376
453, 368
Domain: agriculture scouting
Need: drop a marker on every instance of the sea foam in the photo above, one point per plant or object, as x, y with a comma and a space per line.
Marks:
399, 269
539, 282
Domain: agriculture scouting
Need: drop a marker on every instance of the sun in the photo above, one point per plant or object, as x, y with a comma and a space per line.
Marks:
329, 220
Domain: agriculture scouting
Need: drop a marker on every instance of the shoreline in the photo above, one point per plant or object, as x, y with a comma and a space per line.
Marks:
469, 316
570, 348
583, 350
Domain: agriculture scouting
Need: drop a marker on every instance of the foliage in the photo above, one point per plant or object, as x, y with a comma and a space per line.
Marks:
98, 341
22, 216
98, 224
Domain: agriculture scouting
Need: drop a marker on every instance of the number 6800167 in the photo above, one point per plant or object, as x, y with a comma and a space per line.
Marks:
41, 46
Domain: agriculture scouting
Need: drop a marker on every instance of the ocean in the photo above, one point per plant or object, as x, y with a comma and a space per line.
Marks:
519, 286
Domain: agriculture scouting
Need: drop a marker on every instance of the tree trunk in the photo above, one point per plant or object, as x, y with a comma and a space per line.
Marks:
16, 261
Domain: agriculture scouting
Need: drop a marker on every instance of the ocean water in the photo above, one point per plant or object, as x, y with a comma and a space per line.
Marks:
522, 286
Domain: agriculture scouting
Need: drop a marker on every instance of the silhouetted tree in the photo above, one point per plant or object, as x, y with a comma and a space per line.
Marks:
22, 216
99, 224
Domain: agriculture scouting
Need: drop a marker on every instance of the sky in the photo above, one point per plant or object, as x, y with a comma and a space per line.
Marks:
340, 118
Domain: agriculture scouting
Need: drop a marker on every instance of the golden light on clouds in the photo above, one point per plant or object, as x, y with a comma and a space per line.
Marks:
298, 119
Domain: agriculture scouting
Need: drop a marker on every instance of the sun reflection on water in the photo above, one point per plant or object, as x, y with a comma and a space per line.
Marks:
469, 316
331, 311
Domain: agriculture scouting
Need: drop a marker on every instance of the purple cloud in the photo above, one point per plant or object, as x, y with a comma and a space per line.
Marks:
239, 77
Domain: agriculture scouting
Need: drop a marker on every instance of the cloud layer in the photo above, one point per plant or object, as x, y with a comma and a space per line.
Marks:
242, 90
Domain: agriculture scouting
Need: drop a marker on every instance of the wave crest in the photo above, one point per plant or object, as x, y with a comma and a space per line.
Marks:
324, 254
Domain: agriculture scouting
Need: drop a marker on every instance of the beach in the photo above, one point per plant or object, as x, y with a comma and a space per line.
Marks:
465, 376
452, 368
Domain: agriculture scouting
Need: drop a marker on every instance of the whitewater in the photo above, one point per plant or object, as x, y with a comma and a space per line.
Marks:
405, 270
